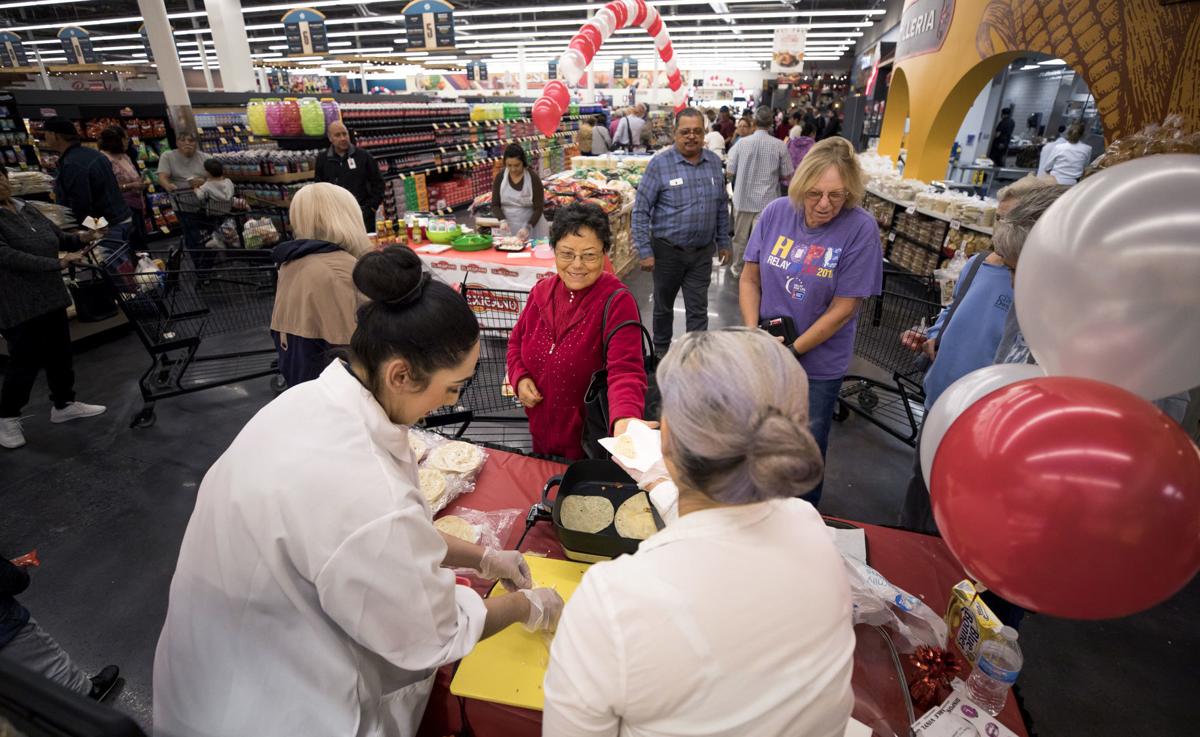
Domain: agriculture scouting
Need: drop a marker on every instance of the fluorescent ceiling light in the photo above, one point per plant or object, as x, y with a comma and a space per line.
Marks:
102, 49
1052, 63
673, 19
102, 22
1027, 67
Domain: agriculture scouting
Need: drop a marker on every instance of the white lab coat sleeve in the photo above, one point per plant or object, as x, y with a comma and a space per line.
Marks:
386, 588
586, 680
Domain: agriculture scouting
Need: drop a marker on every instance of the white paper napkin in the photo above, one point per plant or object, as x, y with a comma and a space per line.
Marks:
434, 248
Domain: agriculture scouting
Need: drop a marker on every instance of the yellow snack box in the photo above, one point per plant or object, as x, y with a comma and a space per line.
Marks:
970, 622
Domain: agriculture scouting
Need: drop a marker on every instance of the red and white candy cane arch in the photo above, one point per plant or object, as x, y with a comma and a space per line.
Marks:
548, 109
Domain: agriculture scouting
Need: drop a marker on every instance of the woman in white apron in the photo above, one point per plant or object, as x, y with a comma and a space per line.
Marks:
313, 594
518, 197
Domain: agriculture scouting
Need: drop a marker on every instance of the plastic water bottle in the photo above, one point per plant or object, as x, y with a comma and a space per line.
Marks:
995, 671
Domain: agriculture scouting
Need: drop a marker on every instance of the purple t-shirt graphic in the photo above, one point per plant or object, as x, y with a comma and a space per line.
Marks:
803, 269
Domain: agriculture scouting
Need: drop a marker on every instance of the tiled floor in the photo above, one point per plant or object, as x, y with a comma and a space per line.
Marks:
106, 507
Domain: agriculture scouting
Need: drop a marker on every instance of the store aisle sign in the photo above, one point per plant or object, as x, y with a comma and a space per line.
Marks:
477, 71
77, 45
12, 50
304, 29
428, 25
553, 69
625, 68
923, 27
787, 51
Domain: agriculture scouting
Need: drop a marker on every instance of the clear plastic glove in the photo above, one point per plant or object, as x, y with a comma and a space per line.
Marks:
507, 565
523, 233
545, 607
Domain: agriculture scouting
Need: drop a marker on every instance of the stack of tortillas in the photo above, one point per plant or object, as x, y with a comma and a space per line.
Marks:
418, 445
433, 486
456, 457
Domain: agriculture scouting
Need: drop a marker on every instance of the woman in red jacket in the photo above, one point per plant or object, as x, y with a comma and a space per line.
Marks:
556, 344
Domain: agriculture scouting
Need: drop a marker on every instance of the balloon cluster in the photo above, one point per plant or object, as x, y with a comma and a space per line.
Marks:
1058, 485
548, 109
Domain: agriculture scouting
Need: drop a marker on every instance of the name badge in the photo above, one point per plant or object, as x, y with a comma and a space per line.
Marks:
676, 182
352, 163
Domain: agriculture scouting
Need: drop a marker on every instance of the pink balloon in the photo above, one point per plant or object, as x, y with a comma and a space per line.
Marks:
546, 115
558, 92
620, 12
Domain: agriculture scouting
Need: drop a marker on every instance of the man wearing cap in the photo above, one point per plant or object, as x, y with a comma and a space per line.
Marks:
352, 168
85, 182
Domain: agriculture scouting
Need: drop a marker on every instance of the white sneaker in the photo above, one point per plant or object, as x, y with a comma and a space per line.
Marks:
10, 432
75, 411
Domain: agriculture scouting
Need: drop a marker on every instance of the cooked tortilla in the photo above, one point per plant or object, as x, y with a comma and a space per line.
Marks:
458, 527
433, 486
626, 448
634, 518
456, 457
419, 448
586, 513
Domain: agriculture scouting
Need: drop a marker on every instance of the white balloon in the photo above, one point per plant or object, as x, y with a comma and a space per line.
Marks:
606, 21
631, 10
571, 65
1108, 286
662, 39
679, 96
962, 394
670, 66
651, 16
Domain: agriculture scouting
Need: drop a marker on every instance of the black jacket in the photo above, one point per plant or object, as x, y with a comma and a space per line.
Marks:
30, 274
87, 185
362, 178
13, 616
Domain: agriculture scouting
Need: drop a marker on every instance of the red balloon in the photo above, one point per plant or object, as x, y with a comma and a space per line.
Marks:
546, 115
585, 47
655, 28
1070, 497
640, 15
621, 13
675, 80
558, 92
592, 34
666, 52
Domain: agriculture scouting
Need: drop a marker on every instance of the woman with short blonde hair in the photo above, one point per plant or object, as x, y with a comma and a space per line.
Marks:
315, 300
813, 257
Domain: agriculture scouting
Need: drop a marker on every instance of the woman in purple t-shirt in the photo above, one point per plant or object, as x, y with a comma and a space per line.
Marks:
813, 257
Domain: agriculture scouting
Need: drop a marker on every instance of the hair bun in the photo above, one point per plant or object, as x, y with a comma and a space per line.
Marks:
393, 276
782, 452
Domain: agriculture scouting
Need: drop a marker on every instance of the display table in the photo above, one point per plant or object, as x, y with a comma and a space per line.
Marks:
919, 564
490, 269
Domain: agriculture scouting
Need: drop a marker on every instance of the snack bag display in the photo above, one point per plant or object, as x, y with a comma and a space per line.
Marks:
971, 622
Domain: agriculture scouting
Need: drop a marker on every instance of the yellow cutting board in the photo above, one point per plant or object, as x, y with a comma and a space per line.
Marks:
509, 667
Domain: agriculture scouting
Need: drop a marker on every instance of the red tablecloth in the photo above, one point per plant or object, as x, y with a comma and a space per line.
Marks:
919, 564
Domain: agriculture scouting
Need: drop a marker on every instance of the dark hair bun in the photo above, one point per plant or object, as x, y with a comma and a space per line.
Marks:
392, 276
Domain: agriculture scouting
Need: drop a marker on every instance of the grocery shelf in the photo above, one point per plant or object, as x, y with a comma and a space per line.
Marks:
910, 206
289, 178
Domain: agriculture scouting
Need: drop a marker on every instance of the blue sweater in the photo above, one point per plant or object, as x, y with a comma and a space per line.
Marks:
974, 333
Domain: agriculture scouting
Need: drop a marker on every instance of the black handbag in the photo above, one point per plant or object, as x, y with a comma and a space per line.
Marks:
597, 422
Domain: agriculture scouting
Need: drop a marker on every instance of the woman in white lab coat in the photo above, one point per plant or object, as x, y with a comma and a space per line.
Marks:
1070, 157
735, 619
312, 594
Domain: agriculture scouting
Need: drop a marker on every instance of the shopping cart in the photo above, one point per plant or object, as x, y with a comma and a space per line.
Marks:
488, 412
898, 407
203, 328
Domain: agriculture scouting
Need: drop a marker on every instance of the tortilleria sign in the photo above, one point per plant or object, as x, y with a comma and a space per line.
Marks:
923, 27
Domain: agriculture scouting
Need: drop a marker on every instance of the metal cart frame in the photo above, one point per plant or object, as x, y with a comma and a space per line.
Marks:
898, 407
179, 311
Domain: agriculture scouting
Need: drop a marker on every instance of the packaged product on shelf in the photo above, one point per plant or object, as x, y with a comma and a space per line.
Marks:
329, 108
256, 117
312, 117
274, 115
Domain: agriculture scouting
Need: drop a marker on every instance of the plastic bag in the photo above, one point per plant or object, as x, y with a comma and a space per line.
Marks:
427, 445
880, 603
29, 560
489, 529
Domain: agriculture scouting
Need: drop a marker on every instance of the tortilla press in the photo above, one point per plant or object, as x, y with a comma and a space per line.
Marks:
589, 477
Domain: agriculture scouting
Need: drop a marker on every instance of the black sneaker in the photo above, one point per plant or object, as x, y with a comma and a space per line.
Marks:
103, 682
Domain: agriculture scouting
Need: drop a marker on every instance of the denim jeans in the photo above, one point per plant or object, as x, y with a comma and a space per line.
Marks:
822, 400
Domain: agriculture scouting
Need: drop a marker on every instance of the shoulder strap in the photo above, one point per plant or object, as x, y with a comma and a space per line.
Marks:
972, 270
607, 334
608, 303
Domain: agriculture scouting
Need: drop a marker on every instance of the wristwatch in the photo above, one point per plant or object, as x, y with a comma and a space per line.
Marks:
792, 347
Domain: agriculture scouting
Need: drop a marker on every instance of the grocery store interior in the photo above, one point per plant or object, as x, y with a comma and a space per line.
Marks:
204, 201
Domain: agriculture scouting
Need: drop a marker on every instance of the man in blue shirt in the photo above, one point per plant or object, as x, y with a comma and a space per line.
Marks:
680, 216
86, 183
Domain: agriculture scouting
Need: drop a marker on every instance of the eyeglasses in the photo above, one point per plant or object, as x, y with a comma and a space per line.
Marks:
690, 132
567, 257
835, 198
